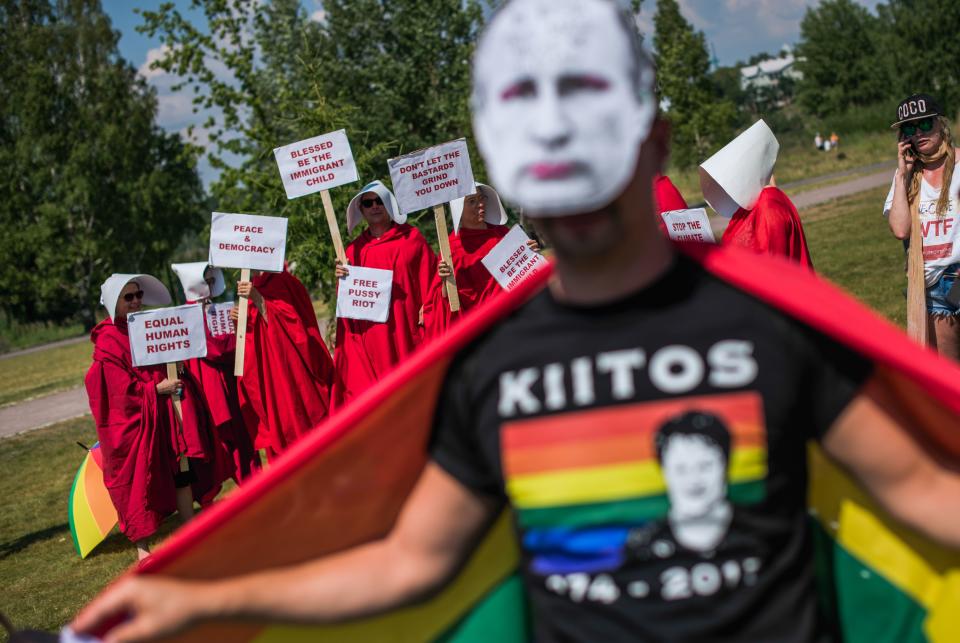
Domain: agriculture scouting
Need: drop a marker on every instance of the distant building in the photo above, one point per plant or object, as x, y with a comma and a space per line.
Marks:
767, 74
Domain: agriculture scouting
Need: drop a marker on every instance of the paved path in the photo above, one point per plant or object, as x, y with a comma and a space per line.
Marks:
40, 412
43, 411
816, 196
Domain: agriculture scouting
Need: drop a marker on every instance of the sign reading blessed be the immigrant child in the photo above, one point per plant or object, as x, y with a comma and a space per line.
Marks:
248, 241
167, 335
511, 260
432, 176
314, 164
689, 225
365, 294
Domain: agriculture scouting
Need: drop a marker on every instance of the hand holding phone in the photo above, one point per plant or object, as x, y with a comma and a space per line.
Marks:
906, 157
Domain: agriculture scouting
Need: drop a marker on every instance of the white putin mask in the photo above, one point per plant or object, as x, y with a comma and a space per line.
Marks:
563, 99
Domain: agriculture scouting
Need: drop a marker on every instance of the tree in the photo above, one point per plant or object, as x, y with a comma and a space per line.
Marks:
394, 74
919, 45
839, 59
90, 185
701, 120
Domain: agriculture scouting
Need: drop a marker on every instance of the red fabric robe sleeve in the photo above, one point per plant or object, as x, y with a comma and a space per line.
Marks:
771, 227
667, 197
366, 351
285, 389
475, 284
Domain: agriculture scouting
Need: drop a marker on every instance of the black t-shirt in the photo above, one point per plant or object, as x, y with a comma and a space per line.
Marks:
653, 451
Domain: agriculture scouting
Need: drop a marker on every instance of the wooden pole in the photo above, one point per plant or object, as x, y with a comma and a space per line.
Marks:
439, 214
334, 228
241, 327
177, 408
177, 405
916, 280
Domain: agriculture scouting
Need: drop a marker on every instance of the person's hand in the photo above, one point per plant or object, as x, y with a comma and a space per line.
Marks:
246, 289
170, 387
905, 158
341, 270
234, 315
154, 607
533, 245
420, 317
443, 269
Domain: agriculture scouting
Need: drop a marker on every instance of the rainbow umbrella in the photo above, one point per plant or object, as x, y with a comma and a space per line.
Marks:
92, 514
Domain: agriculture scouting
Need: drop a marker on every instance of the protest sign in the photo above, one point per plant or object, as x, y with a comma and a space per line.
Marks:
318, 164
218, 319
689, 225
432, 176
248, 241
365, 294
512, 261
429, 178
167, 335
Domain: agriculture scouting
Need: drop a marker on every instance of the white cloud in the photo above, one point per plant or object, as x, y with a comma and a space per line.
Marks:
319, 16
174, 110
153, 55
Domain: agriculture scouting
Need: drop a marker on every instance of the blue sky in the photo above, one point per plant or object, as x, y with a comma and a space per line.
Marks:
736, 29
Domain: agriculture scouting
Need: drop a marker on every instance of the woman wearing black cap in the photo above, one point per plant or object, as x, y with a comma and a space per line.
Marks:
926, 184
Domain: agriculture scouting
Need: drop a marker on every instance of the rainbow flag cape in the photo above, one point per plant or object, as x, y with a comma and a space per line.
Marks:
345, 483
91, 512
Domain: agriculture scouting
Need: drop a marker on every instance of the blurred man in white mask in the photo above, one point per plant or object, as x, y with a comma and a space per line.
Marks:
555, 411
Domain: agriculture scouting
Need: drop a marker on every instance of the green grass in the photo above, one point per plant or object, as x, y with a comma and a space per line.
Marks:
15, 335
42, 372
852, 246
45, 582
798, 160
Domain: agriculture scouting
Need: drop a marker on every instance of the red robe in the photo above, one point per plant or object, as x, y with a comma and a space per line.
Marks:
475, 284
287, 370
367, 350
771, 227
667, 197
236, 457
139, 435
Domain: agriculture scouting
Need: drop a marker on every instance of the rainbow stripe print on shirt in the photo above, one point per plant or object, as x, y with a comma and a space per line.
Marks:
579, 482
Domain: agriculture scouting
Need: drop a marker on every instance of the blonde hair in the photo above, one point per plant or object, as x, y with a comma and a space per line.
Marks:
947, 150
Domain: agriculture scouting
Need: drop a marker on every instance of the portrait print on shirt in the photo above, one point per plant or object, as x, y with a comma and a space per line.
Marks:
650, 489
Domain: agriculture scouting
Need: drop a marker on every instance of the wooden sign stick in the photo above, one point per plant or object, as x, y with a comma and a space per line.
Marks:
334, 228
241, 327
916, 280
177, 408
439, 214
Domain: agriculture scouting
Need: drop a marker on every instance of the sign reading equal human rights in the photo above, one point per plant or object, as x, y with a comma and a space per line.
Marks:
248, 241
689, 225
432, 176
218, 319
167, 335
512, 261
314, 164
365, 294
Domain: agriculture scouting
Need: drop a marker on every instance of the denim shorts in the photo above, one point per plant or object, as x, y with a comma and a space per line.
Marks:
937, 303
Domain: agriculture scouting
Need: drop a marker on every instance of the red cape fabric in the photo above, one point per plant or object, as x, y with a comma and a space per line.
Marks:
475, 284
287, 370
236, 457
667, 197
138, 436
771, 227
366, 351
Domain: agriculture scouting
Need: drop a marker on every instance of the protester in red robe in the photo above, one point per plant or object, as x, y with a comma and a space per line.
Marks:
139, 434
287, 370
667, 197
366, 350
772, 227
738, 183
235, 456
478, 225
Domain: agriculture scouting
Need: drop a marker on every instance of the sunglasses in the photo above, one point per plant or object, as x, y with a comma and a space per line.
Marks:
909, 129
130, 296
368, 203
